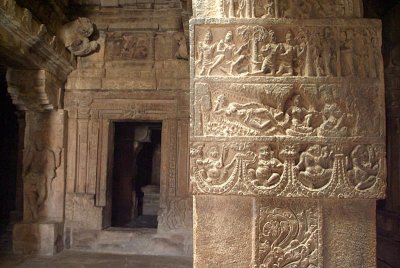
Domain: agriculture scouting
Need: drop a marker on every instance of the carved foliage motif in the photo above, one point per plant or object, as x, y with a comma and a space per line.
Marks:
289, 170
286, 110
325, 51
288, 235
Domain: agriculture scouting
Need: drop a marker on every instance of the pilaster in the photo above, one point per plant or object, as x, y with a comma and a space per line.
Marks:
287, 139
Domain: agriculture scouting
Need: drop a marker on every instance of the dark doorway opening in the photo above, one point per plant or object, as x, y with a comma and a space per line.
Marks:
10, 157
136, 174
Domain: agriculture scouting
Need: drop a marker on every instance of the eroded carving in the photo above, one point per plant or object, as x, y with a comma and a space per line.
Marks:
75, 36
128, 46
40, 165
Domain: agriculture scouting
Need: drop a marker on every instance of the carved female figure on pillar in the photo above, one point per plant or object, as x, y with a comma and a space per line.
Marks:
346, 53
313, 173
364, 172
299, 118
333, 121
246, 9
39, 169
328, 45
229, 8
268, 170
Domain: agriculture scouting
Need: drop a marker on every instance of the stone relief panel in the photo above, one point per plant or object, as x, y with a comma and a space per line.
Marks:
282, 51
288, 234
293, 9
126, 46
288, 169
43, 167
290, 109
176, 214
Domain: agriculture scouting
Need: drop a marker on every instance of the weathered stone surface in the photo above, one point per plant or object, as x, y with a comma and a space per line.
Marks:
37, 238
278, 9
349, 241
223, 231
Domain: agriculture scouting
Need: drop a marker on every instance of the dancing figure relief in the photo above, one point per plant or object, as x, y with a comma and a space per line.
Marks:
315, 166
365, 166
213, 168
268, 169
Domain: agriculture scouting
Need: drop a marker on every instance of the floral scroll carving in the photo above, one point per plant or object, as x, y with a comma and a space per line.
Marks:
288, 235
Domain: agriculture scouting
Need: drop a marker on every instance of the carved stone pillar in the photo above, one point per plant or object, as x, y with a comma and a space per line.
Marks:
43, 173
287, 133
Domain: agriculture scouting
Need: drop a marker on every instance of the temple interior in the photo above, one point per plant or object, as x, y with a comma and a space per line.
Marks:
212, 133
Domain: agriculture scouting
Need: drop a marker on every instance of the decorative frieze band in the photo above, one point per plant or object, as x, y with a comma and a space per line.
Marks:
288, 170
275, 48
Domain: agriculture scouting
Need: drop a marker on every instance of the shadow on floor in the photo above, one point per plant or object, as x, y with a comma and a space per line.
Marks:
76, 259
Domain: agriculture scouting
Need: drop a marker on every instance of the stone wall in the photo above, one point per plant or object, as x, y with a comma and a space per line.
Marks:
140, 73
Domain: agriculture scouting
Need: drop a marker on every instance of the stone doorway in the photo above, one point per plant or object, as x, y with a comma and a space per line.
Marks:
136, 174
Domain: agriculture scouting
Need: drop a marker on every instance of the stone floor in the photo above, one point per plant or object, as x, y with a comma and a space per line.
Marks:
76, 259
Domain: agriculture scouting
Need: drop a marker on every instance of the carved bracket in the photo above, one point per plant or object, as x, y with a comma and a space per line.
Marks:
35, 90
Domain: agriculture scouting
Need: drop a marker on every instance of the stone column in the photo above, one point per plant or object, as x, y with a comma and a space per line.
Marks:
37, 92
287, 133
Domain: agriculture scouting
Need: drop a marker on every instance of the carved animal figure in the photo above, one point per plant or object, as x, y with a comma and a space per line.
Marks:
75, 36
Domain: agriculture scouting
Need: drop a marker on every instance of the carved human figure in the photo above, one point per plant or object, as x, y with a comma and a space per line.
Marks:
245, 9
254, 115
364, 171
182, 50
229, 8
268, 169
302, 50
206, 51
75, 36
328, 53
269, 55
9, 5
133, 47
39, 169
374, 59
213, 167
227, 54
312, 171
360, 56
299, 118
333, 121
269, 9
346, 53
286, 56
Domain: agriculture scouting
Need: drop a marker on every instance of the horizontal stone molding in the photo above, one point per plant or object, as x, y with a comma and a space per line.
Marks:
28, 42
